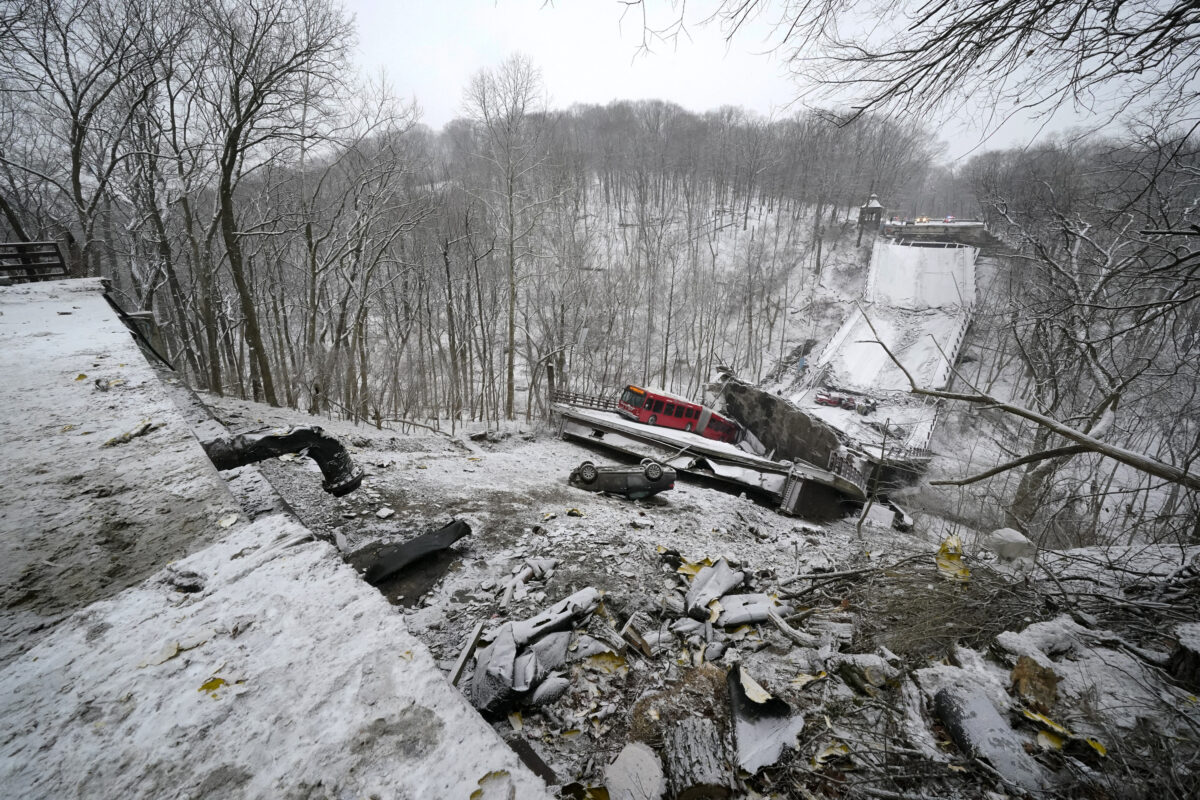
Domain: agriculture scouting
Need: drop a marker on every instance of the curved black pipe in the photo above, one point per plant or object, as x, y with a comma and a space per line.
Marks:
341, 475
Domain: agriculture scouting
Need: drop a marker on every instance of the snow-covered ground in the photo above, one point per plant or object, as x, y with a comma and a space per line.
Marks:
258, 664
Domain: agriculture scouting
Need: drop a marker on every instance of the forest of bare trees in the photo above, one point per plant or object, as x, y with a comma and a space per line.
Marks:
305, 241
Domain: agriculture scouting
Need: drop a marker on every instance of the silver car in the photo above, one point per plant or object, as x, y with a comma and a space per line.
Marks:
649, 477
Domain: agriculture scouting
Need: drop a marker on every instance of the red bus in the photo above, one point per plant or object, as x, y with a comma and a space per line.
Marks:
657, 407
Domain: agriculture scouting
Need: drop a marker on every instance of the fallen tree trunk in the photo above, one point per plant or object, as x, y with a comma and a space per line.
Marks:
697, 760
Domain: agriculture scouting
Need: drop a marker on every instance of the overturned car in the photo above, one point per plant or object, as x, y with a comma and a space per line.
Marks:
649, 477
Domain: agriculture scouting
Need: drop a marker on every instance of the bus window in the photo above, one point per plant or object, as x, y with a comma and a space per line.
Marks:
670, 410
679, 411
633, 398
658, 405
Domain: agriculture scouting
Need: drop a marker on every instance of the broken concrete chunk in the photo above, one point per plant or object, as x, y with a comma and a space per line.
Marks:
979, 730
385, 512
585, 646
709, 584
747, 609
551, 652
492, 685
381, 564
556, 618
636, 774
524, 670
550, 690
764, 726
687, 627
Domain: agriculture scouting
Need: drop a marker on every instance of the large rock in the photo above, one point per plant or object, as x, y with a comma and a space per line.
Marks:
1010, 545
780, 426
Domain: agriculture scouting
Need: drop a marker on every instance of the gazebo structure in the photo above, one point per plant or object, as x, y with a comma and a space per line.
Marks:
869, 215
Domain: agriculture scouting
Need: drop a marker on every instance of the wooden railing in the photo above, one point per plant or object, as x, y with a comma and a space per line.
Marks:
584, 400
22, 262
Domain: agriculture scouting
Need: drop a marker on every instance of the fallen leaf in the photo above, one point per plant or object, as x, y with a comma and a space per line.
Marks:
516, 720
491, 778
608, 663
575, 512
1044, 720
714, 610
1050, 741
1099, 748
690, 568
834, 751
753, 690
66, 428
804, 679
81, 377
949, 560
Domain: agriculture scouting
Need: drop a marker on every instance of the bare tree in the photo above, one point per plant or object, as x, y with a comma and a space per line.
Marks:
1017, 53
508, 105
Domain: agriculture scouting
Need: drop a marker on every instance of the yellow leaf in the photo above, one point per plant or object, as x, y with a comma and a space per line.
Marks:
1099, 748
212, 684
714, 610
831, 752
81, 377
66, 428
1050, 741
690, 568
491, 777
1044, 720
804, 679
609, 663
516, 720
949, 560
753, 690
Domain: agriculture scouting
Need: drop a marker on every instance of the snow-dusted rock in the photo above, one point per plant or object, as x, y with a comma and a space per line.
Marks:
1009, 544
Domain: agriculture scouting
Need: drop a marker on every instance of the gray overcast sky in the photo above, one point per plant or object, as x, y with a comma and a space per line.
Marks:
587, 54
